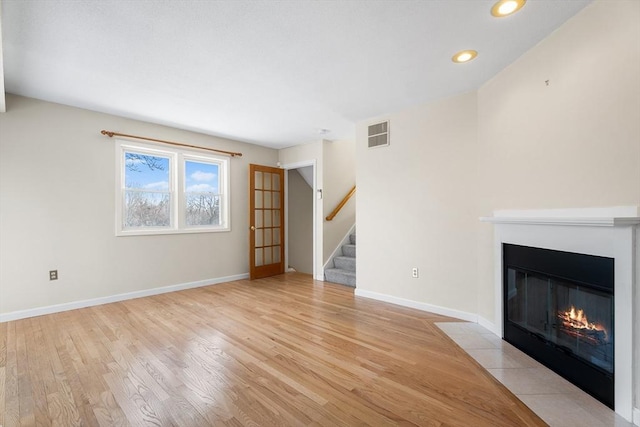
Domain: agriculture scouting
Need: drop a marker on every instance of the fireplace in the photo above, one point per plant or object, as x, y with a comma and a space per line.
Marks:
559, 308
611, 233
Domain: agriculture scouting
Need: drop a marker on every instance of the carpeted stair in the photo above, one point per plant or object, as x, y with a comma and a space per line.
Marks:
344, 271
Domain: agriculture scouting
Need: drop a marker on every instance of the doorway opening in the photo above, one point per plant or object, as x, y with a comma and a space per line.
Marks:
301, 219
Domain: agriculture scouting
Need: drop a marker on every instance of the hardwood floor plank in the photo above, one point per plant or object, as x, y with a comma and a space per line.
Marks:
280, 351
11, 413
64, 409
3, 371
26, 395
41, 376
3, 377
3, 344
132, 401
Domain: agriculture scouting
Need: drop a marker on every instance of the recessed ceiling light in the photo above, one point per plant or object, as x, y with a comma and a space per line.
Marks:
506, 7
464, 56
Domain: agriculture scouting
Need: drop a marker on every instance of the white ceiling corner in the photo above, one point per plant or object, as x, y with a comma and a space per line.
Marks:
270, 72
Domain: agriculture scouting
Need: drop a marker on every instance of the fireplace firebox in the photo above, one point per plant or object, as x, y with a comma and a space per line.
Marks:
559, 309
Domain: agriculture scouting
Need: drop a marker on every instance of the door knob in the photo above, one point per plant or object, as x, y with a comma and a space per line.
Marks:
253, 228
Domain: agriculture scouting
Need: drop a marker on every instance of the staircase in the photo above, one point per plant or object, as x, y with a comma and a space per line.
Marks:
344, 266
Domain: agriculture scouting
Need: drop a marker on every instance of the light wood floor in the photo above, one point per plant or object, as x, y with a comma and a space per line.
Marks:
278, 351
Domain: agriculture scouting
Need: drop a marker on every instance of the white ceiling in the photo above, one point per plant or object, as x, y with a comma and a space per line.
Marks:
267, 72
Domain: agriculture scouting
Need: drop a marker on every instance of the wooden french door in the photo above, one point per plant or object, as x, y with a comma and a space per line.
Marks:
266, 221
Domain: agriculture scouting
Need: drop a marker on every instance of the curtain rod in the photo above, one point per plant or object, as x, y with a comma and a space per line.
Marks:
111, 134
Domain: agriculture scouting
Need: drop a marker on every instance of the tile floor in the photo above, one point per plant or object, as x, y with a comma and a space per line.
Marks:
551, 397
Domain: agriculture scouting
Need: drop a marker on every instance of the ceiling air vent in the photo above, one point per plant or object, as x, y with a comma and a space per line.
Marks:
379, 134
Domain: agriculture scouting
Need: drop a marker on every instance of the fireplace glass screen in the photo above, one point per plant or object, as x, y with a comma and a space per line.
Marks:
575, 318
559, 309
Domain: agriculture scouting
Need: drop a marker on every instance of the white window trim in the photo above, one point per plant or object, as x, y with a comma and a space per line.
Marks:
177, 159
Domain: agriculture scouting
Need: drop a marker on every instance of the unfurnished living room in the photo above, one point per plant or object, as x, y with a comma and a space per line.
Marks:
329, 212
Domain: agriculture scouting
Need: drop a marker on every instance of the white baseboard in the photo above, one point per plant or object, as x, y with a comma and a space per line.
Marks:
462, 315
487, 324
39, 311
636, 416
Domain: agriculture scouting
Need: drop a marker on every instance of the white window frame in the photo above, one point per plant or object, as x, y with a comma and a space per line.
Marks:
177, 168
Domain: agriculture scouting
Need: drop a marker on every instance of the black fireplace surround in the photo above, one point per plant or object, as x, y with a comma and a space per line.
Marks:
558, 308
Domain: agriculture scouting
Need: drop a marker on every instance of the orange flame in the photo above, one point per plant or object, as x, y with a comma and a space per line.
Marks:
577, 319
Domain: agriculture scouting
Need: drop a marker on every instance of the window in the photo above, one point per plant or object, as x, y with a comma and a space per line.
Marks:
164, 190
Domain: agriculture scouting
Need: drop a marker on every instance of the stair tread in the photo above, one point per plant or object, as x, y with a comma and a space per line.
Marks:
349, 250
344, 266
345, 263
340, 276
341, 270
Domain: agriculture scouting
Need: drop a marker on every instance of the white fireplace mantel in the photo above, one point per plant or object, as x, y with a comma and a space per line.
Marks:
618, 216
612, 232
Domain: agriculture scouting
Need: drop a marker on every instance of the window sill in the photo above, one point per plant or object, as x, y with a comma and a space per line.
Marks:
154, 232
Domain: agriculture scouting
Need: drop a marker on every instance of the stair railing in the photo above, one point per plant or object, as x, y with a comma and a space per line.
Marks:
341, 204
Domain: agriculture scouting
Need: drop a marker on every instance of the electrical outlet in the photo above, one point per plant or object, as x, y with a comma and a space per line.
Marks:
53, 275
414, 272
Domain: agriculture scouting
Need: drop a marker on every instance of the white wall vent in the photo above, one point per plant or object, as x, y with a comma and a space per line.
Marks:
378, 134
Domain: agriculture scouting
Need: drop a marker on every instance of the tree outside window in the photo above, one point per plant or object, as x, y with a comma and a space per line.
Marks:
170, 191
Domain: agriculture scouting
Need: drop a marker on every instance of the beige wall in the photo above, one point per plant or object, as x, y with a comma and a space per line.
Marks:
300, 223
518, 143
57, 211
303, 153
416, 206
339, 178
572, 143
